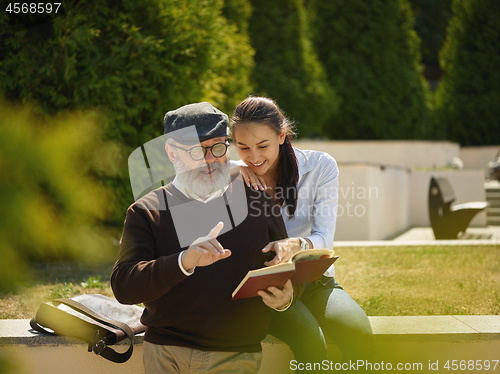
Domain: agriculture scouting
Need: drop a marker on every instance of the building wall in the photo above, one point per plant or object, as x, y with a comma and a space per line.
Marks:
478, 157
468, 186
407, 153
390, 211
354, 213
373, 202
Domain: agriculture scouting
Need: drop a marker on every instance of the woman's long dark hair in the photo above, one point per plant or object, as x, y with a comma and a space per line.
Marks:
265, 111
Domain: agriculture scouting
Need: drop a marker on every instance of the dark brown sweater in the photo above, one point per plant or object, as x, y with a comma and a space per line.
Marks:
196, 311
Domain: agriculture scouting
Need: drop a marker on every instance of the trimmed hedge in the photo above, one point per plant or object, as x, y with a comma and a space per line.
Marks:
371, 54
131, 60
286, 66
468, 97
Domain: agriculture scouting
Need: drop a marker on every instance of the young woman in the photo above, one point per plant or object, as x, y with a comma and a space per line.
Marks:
305, 184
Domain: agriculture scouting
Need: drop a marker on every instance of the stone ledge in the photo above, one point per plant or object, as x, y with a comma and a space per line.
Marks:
424, 340
436, 328
415, 243
19, 331
398, 328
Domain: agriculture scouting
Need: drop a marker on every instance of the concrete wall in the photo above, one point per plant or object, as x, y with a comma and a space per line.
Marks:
390, 211
373, 202
468, 186
353, 220
377, 203
403, 153
478, 157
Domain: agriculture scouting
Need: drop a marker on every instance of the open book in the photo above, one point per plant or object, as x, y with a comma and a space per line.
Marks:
305, 266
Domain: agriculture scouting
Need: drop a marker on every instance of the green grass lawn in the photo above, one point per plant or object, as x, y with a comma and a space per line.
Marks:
385, 281
51, 281
428, 280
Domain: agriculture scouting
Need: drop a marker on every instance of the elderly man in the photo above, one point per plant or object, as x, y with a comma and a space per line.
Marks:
186, 246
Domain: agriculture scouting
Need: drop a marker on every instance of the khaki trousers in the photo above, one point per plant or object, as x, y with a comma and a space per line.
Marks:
162, 359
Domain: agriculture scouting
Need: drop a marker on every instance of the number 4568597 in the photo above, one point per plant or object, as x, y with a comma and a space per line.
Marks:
32, 7
471, 365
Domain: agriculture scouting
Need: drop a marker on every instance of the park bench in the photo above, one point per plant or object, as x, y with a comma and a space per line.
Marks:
449, 221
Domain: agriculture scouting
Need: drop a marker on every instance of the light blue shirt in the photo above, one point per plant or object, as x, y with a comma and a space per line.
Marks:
317, 203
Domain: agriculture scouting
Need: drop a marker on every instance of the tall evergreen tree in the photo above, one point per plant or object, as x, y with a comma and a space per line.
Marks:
371, 53
468, 97
286, 67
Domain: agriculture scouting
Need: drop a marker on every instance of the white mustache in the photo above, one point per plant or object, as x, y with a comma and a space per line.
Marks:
209, 167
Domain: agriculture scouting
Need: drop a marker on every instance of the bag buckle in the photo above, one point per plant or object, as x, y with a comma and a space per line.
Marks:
99, 347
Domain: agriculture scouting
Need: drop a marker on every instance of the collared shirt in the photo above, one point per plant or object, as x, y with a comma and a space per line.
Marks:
317, 200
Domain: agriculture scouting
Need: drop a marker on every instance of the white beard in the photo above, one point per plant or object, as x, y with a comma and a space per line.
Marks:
200, 184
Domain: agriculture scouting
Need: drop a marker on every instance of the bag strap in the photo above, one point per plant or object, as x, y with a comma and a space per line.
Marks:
98, 347
37, 327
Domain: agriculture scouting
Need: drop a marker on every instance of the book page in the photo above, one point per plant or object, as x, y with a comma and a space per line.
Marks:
312, 254
287, 266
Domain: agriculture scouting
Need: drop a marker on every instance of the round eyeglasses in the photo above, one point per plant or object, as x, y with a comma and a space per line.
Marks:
199, 152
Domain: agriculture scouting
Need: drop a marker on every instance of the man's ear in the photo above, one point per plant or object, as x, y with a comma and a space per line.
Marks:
170, 152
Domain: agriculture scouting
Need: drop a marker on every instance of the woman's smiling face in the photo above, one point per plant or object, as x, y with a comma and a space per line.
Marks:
258, 146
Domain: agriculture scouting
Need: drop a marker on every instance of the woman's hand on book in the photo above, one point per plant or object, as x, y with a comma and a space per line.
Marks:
284, 248
276, 298
205, 250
